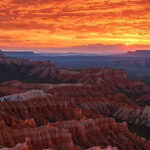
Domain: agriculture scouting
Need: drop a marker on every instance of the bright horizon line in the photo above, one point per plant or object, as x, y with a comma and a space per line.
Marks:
52, 52
85, 49
73, 52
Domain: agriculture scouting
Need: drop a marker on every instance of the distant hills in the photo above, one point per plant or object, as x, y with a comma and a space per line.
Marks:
18, 53
27, 53
136, 53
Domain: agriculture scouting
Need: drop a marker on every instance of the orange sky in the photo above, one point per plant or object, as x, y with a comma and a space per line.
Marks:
68, 23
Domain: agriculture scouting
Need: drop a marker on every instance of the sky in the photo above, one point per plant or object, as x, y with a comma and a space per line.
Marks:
101, 26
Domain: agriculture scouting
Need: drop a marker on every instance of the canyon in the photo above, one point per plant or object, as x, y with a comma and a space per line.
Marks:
45, 107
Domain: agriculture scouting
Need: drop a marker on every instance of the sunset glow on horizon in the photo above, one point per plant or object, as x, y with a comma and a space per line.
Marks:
72, 23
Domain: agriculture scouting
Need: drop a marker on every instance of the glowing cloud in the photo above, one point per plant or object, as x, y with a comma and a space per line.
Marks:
67, 23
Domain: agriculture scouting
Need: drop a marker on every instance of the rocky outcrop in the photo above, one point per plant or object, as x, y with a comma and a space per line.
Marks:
20, 146
55, 109
99, 84
134, 116
24, 96
46, 108
26, 70
144, 100
36, 138
49, 109
99, 148
102, 132
17, 123
39, 72
15, 87
72, 135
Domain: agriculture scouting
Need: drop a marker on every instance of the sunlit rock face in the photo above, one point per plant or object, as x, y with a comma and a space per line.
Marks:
83, 110
24, 96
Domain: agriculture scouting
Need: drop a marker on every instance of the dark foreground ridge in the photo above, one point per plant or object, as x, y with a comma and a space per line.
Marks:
43, 107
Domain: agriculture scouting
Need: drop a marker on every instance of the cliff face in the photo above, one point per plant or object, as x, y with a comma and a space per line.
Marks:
70, 135
25, 70
100, 132
20, 146
83, 110
37, 138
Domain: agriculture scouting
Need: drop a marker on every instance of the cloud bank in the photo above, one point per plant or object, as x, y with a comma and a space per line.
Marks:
65, 23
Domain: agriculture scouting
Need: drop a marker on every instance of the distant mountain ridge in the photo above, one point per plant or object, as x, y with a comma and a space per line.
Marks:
135, 63
31, 53
21, 54
136, 53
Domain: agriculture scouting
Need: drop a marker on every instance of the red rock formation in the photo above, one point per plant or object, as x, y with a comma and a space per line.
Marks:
75, 113
16, 123
144, 100
51, 109
101, 82
20, 146
43, 110
25, 70
99, 148
72, 135
33, 71
15, 86
102, 132
38, 138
